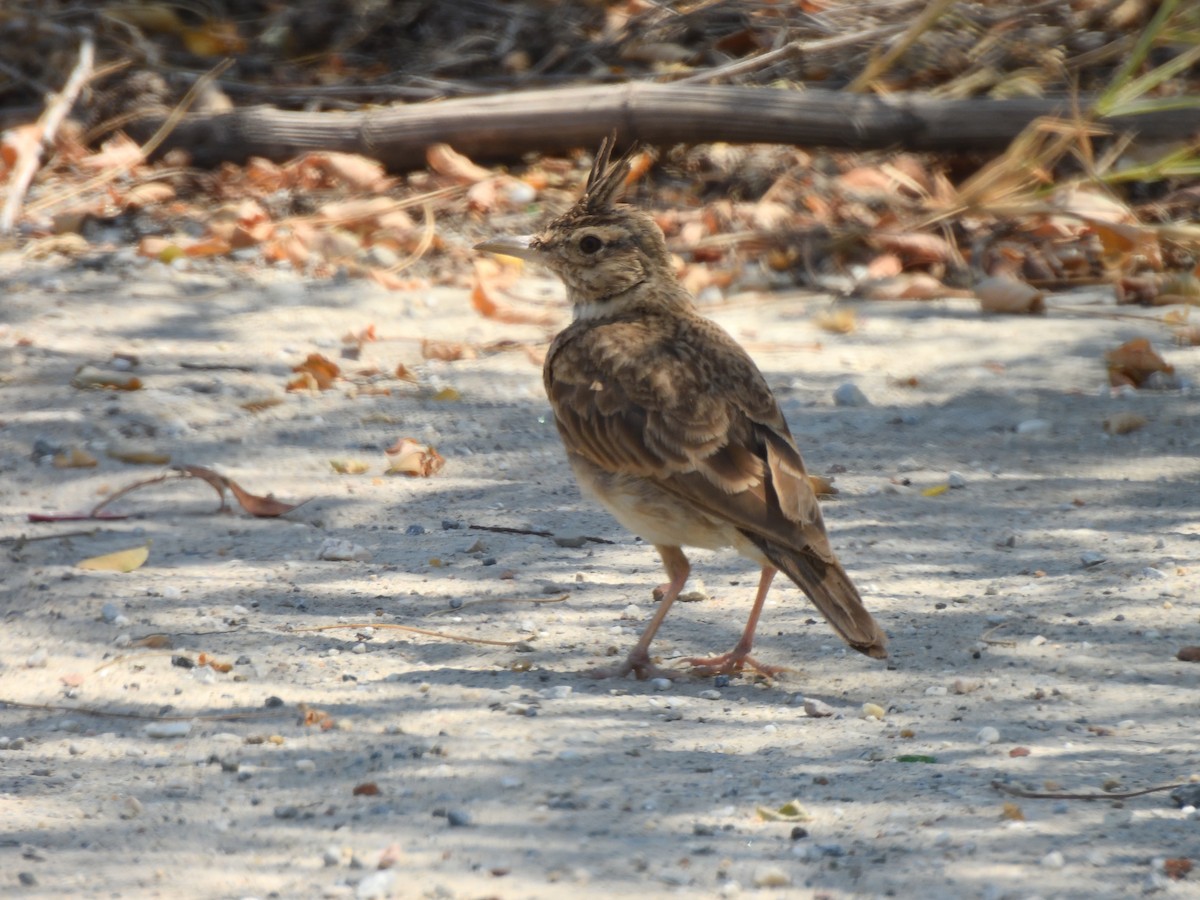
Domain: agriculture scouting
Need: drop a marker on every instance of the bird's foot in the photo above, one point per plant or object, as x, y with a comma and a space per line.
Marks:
732, 663
637, 663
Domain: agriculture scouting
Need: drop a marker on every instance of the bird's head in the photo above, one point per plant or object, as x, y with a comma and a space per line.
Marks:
603, 251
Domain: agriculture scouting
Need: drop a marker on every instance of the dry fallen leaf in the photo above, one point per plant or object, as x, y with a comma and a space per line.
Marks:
138, 456
120, 561
1123, 422
909, 286
445, 160
349, 466
822, 486
259, 507
316, 372
1012, 812
75, 458
837, 321
412, 458
1004, 294
1133, 362
447, 351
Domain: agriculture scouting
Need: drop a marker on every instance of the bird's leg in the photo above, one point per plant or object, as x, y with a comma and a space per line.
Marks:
739, 657
638, 661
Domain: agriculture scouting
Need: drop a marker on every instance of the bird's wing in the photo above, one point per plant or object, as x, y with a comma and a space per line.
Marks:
681, 403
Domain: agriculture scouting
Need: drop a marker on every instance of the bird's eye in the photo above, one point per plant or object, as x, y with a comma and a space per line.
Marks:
589, 243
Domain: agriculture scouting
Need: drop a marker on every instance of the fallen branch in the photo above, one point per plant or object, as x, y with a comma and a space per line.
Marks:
425, 631
110, 714
505, 126
1103, 795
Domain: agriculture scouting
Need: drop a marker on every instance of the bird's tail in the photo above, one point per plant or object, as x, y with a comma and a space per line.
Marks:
833, 593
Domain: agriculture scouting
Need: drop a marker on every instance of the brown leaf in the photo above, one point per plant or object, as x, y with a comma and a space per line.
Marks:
138, 456
445, 160
839, 321
1133, 362
366, 789
1012, 812
822, 486
149, 194
1177, 867
412, 458
320, 369
910, 286
259, 507
1004, 294
1124, 423
1188, 654
915, 248
448, 351
75, 458
483, 299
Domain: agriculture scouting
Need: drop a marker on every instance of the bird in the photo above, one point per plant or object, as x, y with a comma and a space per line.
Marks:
668, 423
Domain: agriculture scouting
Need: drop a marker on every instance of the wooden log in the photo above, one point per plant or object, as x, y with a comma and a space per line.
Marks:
504, 126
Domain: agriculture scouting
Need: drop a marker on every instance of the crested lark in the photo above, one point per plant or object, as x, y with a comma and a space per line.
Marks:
670, 425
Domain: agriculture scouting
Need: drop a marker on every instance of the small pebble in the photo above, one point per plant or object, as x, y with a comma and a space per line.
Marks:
109, 612
1037, 640
987, 735
720, 681
771, 876
956, 480
1153, 573
1053, 860
458, 818
165, 730
37, 659
306, 765
343, 551
331, 857
414, 530
1033, 426
661, 684
710, 695
376, 886
451, 525
817, 709
848, 394
1091, 558
558, 692
873, 711
27, 879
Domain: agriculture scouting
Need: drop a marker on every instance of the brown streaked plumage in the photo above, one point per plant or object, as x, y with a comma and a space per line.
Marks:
670, 425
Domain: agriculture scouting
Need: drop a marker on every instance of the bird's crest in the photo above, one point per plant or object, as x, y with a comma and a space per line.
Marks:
607, 179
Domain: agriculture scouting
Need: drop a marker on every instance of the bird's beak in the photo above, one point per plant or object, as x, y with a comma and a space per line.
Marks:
511, 246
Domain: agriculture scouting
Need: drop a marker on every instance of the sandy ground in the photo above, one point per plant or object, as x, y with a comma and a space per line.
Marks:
501, 771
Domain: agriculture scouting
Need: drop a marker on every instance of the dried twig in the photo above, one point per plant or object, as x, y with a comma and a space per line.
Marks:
504, 529
1103, 795
425, 631
489, 600
880, 64
792, 48
110, 714
56, 111
21, 539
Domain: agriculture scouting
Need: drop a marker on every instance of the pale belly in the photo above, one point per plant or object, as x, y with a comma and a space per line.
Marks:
656, 516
